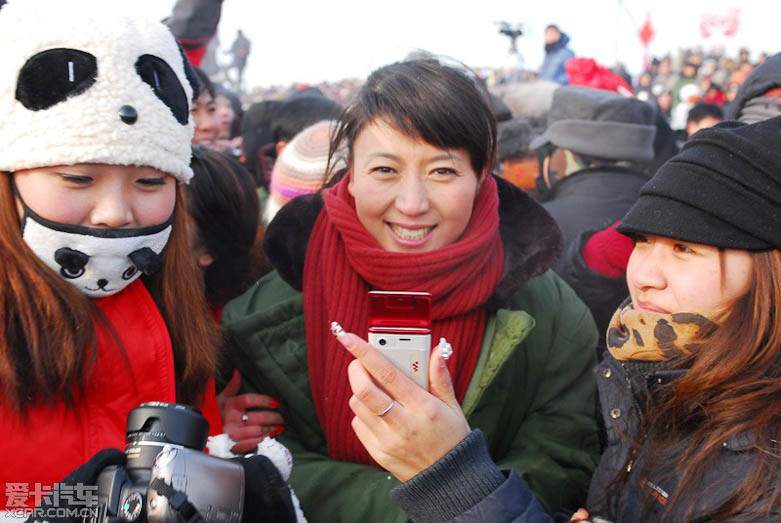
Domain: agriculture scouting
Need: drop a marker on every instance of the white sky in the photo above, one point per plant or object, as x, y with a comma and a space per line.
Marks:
311, 41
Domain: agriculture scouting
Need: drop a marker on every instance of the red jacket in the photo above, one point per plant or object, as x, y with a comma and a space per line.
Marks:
49, 442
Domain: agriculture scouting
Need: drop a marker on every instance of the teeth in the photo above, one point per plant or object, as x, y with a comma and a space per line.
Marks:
410, 234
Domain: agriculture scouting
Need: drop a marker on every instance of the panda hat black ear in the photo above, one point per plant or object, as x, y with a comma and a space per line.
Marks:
189, 72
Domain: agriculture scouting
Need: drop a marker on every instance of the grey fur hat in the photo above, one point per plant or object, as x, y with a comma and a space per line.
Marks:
599, 123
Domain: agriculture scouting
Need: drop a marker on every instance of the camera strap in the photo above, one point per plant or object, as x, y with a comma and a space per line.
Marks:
177, 501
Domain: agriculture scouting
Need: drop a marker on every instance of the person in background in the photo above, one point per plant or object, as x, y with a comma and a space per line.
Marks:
223, 210
228, 112
664, 102
516, 160
702, 116
417, 210
240, 49
258, 142
204, 113
689, 391
301, 167
556, 55
589, 173
759, 97
690, 95
688, 77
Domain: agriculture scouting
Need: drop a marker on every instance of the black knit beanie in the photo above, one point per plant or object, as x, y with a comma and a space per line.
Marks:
723, 189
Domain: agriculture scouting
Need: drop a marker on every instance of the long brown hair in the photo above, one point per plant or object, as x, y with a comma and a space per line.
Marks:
48, 328
732, 386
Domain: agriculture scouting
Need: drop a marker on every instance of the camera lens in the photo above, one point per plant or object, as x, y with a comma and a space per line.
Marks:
383, 341
165, 423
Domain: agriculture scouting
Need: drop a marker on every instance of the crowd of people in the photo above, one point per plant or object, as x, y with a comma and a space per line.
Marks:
604, 282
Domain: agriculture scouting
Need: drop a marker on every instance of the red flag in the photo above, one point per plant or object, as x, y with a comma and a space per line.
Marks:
646, 32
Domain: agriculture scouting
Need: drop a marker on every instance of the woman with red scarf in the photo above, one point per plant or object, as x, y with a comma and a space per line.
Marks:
418, 210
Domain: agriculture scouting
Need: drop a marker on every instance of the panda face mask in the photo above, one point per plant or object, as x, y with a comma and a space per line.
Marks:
97, 261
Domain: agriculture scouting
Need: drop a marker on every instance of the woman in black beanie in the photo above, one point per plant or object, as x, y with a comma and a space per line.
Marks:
690, 390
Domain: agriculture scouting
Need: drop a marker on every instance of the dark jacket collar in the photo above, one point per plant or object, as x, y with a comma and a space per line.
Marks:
532, 240
561, 43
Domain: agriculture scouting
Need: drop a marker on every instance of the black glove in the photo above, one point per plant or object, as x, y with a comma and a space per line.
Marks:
87, 474
266, 495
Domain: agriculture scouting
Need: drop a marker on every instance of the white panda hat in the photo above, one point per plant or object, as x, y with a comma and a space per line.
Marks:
82, 83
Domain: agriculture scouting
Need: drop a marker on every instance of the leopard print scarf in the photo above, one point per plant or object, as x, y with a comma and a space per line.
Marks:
650, 336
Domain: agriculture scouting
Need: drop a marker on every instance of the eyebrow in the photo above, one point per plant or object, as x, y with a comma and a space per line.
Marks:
391, 156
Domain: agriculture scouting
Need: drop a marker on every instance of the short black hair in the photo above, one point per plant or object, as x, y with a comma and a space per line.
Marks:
204, 84
446, 106
296, 114
703, 110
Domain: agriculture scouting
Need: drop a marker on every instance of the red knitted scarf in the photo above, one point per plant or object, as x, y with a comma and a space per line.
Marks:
343, 262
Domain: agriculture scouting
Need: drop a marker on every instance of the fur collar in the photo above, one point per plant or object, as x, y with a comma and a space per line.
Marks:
532, 240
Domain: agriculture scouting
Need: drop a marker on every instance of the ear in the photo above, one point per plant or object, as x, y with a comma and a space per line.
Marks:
481, 179
349, 174
204, 259
201, 254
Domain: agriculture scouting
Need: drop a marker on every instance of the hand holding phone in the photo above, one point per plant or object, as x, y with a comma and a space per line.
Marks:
400, 328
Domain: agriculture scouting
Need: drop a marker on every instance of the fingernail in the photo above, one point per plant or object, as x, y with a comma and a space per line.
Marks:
274, 403
277, 431
342, 336
336, 329
445, 349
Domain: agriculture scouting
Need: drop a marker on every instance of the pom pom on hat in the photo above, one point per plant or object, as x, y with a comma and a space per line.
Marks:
83, 83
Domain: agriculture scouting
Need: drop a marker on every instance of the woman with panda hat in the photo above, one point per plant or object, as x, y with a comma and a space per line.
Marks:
101, 305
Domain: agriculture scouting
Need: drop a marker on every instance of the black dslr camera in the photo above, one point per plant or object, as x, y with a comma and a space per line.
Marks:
167, 477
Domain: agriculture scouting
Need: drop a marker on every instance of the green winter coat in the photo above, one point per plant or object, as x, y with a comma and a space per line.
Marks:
532, 392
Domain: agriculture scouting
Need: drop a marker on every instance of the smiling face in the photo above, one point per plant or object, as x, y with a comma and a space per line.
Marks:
410, 195
671, 276
98, 195
204, 114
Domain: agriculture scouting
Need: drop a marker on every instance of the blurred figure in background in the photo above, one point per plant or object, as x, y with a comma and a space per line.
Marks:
759, 97
517, 161
701, 116
228, 112
588, 174
556, 55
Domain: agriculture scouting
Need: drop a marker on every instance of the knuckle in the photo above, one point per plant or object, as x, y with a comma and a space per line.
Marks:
429, 412
362, 393
388, 375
